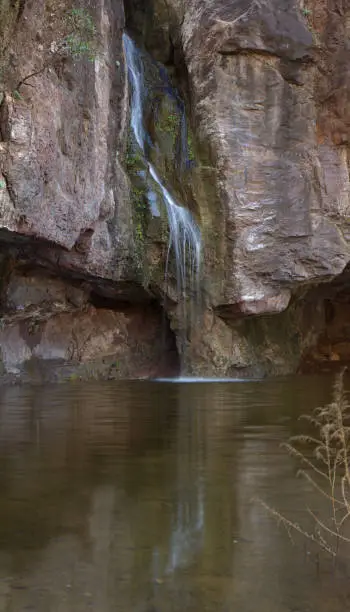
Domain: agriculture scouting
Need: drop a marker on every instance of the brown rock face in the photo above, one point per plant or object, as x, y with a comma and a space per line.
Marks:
71, 299
61, 136
267, 88
51, 331
254, 76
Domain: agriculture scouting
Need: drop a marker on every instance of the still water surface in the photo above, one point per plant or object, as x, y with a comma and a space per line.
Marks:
138, 496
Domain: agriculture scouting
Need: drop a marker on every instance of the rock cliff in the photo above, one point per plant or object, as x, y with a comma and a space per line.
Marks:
67, 239
267, 91
266, 87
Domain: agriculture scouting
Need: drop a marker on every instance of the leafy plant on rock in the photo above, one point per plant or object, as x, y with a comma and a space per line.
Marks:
81, 40
77, 39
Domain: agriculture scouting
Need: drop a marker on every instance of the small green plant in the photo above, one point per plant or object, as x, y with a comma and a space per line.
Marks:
306, 12
190, 148
327, 471
78, 40
133, 160
81, 39
17, 95
172, 124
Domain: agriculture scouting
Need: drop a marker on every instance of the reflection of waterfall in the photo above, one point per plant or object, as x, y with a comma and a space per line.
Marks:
188, 512
184, 234
187, 535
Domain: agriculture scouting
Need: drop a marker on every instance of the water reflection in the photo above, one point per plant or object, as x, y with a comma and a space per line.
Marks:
138, 496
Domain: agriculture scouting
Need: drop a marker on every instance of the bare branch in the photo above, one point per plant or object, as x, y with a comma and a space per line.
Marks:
286, 522
30, 76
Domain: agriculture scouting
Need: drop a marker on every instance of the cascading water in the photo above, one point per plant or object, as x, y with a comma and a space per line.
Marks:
184, 234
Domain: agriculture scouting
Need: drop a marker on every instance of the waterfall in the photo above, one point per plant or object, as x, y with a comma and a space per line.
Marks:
184, 235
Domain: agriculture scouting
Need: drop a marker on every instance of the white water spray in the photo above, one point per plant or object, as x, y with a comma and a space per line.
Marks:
184, 234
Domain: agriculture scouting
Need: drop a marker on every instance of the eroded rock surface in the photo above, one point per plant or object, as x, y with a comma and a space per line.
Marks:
254, 78
72, 304
267, 89
52, 331
61, 135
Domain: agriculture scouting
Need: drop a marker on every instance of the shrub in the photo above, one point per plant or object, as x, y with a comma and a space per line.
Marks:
327, 471
81, 38
78, 39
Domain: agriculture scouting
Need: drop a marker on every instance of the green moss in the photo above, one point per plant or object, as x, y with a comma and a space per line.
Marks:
135, 164
140, 208
190, 147
169, 123
141, 218
133, 160
166, 131
82, 36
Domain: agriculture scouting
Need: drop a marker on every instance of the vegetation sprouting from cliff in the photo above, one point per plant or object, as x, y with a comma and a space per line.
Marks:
70, 34
167, 146
137, 171
81, 38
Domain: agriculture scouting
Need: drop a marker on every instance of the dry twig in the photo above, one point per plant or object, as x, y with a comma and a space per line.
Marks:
329, 463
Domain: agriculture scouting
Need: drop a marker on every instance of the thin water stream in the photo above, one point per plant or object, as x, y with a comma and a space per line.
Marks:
184, 233
140, 497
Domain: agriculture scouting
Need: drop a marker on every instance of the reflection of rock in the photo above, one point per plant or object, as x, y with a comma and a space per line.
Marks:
92, 477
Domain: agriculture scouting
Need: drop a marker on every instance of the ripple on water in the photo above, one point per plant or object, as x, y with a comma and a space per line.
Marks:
139, 496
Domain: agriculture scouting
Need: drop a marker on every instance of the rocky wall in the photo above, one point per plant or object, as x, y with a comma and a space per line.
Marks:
266, 87
72, 303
